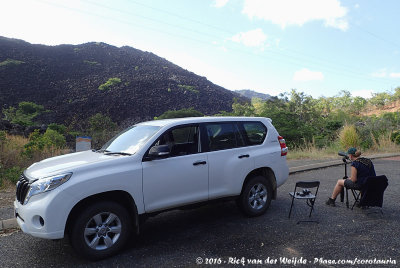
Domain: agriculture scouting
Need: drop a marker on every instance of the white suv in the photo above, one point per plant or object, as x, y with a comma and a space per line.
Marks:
99, 197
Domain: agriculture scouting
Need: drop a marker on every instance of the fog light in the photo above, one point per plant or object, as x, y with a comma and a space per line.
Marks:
38, 222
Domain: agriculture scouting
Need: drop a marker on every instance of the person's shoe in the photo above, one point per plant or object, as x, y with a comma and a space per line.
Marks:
331, 202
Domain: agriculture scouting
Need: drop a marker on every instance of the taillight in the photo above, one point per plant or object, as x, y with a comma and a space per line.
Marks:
282, 143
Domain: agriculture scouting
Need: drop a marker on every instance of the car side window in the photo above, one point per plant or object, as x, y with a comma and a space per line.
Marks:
181, 140
255, 132
223, 136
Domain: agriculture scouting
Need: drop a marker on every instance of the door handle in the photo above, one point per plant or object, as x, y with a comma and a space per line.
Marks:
199, 163
244, 156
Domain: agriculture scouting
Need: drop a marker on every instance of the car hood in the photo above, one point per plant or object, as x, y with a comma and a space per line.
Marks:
64, 163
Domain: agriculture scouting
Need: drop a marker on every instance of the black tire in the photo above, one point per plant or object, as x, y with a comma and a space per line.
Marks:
108, 227
255, 197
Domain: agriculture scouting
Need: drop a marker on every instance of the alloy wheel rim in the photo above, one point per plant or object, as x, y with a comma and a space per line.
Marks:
258, 196
102, 231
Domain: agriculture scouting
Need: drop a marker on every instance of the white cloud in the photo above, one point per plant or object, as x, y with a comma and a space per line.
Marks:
364, 93
296, 12
253, 38
305, 75
380, 73
220, 3
383, 73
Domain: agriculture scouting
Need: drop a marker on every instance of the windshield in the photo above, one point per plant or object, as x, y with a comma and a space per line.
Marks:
130, 140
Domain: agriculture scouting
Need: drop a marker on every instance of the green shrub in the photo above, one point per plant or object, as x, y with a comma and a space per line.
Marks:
2, 136
10, 62
91, 62
59, 128
349, 137
189, 88
51, 139
394, 135
397, 139
110, 83
25, 113
11, 174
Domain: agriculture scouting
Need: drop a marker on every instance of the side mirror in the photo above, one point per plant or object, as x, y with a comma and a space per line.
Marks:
159, 151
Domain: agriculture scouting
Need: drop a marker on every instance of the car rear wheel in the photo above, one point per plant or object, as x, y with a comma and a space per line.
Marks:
100, 230
256, 196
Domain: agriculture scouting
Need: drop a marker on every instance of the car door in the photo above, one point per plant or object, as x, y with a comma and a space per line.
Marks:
229, 160
180, 178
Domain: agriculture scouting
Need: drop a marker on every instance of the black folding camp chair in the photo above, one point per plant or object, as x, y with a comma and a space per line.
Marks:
305, 194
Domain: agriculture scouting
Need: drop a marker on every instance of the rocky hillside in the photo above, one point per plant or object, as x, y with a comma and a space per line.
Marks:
74, 82
253, 94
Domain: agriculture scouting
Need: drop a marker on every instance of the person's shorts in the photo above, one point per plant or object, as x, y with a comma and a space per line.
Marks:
350, 184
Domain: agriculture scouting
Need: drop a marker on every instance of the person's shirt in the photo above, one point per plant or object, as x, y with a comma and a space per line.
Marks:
365, 168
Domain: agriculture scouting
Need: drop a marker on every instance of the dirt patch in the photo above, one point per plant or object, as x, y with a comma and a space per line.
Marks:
391, 107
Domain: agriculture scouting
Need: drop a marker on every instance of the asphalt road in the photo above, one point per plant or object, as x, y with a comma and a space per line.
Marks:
220, 233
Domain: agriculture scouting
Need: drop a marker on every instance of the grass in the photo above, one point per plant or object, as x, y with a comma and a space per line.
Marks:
13, 161
310, 151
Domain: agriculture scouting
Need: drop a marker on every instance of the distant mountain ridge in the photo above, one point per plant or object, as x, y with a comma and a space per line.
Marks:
65, 79
253, 94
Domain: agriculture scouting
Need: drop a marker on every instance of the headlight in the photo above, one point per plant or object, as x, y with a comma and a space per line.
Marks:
46, 184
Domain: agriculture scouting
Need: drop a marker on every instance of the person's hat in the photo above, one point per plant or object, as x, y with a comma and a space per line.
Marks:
352, 151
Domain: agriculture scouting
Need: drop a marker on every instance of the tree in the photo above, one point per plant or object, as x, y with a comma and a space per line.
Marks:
101, 129
396, 95
380, 99
358, 104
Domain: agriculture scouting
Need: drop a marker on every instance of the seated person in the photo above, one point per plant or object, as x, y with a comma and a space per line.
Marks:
361, 168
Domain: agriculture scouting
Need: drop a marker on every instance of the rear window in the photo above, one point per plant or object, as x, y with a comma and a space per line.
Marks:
254, 132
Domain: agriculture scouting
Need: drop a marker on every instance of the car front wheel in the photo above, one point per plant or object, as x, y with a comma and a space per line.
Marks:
100, 230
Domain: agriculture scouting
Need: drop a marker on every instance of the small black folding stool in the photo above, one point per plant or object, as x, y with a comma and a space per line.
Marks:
305, 194
356, 191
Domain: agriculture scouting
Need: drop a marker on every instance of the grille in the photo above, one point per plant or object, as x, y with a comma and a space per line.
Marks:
23, 186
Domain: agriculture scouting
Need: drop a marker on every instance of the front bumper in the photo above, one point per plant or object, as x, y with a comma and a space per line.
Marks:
40, 220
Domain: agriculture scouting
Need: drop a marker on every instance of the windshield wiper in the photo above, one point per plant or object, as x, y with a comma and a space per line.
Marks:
113, 153
100, 151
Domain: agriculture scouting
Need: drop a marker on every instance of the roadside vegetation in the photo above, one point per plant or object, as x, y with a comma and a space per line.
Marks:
313, 128
31, 142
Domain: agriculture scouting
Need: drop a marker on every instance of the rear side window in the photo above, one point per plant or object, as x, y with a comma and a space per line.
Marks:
223, 136
254, 132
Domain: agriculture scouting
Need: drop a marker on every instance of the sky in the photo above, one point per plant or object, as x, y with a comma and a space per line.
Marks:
319, 47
